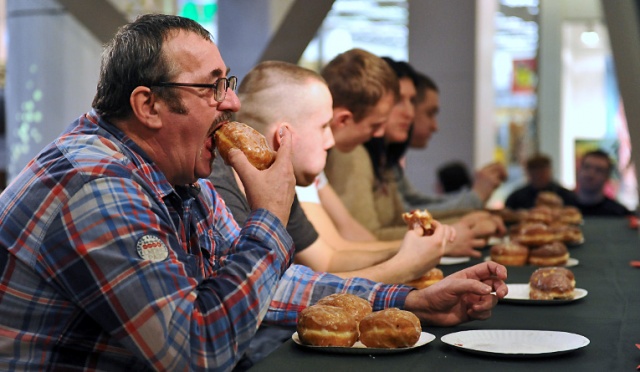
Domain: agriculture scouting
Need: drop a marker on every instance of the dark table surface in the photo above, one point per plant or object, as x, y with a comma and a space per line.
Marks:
609, 316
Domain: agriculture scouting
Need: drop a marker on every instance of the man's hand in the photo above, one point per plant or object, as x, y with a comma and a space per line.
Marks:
487, 179
484, 224
460, 297
271, 189
419, 253
465, 243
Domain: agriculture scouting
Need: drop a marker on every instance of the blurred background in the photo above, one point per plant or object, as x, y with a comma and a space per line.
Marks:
516, 77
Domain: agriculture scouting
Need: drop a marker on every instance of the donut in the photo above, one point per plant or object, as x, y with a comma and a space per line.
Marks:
549, 199
509, 253
431, 277
390, 328
356, 306
420, 218
235, 135
541, 214
324, 325
570, 215
566, 233
550, 283
534, 234
551, 254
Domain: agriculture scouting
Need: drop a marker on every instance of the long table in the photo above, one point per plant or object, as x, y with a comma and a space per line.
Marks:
609, 316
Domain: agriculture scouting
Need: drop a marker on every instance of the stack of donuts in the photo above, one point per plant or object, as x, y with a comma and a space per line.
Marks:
341, 319
539, 236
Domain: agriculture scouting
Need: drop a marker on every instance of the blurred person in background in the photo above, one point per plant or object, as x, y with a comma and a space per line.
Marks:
539, 178
593, 174
425, 123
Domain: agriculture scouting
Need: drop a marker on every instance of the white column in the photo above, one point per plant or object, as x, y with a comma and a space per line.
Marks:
442, 44
52, 71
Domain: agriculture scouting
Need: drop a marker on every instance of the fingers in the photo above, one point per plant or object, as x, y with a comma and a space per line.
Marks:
238, 160
484, 271
452, 234
497, 170
478, 243
474, 253
481, 309
284, 152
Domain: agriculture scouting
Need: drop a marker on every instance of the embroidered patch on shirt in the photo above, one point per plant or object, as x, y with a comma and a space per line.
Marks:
151, 248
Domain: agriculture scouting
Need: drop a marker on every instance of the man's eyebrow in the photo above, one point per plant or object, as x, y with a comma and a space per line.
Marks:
216, 73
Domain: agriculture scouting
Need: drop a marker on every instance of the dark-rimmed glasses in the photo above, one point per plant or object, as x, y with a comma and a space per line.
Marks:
219, 88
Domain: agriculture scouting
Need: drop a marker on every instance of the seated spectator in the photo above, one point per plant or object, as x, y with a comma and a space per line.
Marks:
368, 190
592, 176
425, 124
539, 178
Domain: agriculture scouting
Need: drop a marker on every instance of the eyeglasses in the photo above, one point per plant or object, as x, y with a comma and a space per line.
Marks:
219, 88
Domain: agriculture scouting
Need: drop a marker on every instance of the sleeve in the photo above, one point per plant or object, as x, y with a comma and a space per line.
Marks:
301, 230
308, 194
414, 199
165, 308
301, 287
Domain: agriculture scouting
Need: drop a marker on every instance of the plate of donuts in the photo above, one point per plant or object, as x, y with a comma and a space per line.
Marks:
515, 343
519, 293
570, 262
359, 348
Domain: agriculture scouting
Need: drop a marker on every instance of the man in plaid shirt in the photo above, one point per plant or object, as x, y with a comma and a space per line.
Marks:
116, 254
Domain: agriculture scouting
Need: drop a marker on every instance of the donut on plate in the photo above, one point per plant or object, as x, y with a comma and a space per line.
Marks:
567, 233
542, 214
549, 198
509, 253
570, 215
552, 283
356, 306
533, 234
551, 254
390, 328
324, 325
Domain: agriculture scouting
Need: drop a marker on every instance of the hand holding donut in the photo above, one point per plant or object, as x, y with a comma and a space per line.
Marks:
460, 297
272, 188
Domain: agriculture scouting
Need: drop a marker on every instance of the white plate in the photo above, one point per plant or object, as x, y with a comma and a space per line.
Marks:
446, 260
519, 293
523, 343
359, 348
570, 262
497, 240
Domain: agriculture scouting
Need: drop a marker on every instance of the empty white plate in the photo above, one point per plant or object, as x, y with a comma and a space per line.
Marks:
524, 343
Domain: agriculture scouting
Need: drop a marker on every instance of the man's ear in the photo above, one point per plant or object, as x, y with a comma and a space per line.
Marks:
143, 103
341, 118
277, 133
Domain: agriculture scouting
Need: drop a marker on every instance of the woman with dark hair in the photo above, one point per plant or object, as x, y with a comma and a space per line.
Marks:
382, 215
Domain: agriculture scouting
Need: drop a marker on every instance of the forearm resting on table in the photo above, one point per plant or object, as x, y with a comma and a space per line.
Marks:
322, 256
